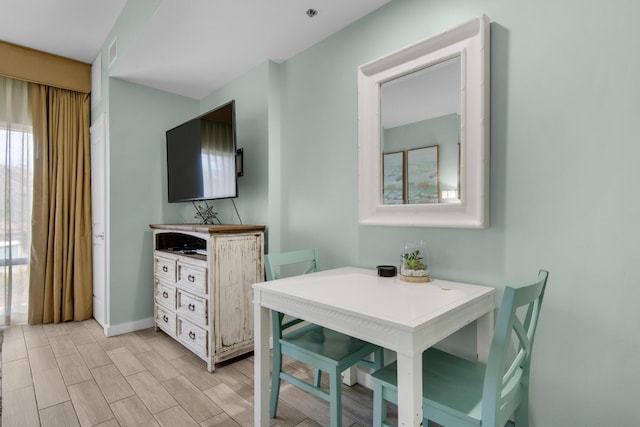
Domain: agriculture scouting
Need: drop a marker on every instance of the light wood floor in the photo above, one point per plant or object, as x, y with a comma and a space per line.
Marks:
72, 375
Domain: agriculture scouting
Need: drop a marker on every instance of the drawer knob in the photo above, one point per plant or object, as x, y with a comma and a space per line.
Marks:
165, 318
192, 307
165, 294
165, 268
191, 278
192, 335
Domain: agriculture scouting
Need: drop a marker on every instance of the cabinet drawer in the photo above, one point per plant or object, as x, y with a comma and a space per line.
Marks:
192, 307
192, 277
166, 320
165, 295
192, 336
165, 268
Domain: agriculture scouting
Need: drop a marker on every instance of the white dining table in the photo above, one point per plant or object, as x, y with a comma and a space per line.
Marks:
404, 317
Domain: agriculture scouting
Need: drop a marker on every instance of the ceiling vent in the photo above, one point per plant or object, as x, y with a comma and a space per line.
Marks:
113, 51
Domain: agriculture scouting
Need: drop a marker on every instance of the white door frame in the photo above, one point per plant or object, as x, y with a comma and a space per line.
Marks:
99, 220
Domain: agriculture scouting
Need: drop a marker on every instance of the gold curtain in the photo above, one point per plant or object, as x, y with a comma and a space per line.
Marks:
60, 283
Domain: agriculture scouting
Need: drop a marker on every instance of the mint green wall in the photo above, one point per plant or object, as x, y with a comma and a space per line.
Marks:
250, 93
563, 108
139, 117
564, 97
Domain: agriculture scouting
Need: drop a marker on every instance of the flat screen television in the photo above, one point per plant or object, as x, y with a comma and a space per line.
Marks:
201, 157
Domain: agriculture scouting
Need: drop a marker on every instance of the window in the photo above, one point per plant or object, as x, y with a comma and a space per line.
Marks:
16, 183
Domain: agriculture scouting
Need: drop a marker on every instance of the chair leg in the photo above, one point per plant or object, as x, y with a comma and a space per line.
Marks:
521, 416
317, 377
335, 398
379, 406
378, 359
275, 381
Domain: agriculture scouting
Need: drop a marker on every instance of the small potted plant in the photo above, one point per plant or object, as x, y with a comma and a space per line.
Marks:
413, 267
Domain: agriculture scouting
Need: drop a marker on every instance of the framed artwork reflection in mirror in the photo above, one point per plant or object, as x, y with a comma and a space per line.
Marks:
393, 167
423, 175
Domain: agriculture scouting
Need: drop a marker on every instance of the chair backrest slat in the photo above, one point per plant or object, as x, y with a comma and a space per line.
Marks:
501, 386
306, 259
515, 367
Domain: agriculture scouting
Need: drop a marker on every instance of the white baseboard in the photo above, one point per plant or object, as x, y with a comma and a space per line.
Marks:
123, 328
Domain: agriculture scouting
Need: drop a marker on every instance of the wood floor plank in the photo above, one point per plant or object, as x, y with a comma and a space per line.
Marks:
42, 359
244, 389
35, 336
175, 416
314, 407
16, 374
167, 384
230, 375
13, 333
20, 408
221, 420
145, 334
112, 383
306, 423
125, 361
199, 406
134, 343
289, 416
166, 346
157, 365
151, 392
81, 335
71, 326
54, 329
14, 347
131, 412
62, 415
232, 404
62, 345
196, 374
73, 369
245, 366
50, 388
110, 423
93, 355
108, 343
93, 327
89, 403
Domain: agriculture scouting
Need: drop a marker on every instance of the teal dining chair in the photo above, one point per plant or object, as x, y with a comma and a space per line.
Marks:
322, 348
457, 392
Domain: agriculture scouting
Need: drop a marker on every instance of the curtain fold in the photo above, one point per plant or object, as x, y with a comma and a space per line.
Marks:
60, 282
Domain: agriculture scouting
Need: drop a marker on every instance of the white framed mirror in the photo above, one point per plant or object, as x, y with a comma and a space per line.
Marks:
423, 132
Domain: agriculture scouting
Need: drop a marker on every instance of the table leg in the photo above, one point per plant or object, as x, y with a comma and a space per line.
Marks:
261, 365
409, 390
484, 335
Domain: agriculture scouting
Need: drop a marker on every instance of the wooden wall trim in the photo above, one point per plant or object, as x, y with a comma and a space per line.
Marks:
34, 66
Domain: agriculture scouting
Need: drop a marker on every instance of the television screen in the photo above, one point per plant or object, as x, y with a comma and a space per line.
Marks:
201, 157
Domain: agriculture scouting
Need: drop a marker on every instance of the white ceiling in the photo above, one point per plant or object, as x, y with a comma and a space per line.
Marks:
71, 28
189, 47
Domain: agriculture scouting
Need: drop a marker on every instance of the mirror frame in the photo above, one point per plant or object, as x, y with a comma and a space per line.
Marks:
471, 42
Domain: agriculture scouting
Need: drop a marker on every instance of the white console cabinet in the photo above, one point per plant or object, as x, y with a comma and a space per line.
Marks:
202, 286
